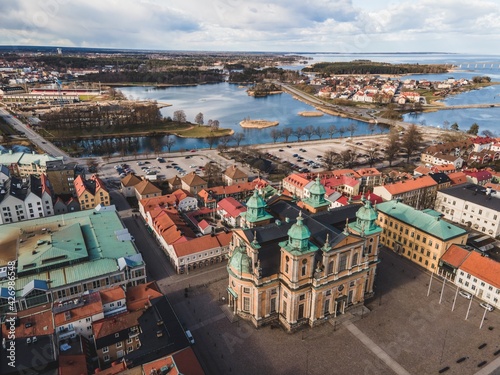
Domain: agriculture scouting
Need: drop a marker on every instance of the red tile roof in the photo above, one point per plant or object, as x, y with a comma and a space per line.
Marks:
112, 294
457, 178
231, 206
233, 172
455, 255
92, 306
404, 186
202, 243
130, 180
116, 323
138, 296
483, 268
73, 364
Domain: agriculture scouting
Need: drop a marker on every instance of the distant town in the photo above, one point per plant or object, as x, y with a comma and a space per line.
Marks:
199, 261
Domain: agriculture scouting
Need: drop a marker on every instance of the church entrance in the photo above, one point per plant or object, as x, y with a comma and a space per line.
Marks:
340, 303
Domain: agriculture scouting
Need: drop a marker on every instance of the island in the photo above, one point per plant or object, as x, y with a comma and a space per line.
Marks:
257, 124
311, 114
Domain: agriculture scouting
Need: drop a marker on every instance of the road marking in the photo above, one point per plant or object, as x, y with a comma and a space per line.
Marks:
375, 349
208, 321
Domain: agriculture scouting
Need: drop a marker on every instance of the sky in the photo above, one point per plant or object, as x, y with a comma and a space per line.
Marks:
461, 26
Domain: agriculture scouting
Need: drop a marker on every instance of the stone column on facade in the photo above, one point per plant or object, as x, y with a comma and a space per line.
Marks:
335, 309
314, 301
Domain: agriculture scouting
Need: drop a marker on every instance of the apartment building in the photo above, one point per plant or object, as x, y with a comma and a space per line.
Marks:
471, 205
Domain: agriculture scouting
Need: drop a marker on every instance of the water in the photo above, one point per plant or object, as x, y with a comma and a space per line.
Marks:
230, 104
467, 66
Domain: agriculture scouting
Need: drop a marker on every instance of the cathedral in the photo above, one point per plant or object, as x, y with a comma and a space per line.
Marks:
306, 265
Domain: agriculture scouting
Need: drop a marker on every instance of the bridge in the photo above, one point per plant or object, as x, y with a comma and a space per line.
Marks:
463, 106
477, 65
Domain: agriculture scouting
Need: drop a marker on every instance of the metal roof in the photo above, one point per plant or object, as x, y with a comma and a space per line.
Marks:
427, 223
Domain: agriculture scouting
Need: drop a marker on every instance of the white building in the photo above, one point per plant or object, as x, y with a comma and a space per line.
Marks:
22, 200
471, 205
473, 272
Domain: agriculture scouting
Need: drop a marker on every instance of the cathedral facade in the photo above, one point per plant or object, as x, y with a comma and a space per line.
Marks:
302, 270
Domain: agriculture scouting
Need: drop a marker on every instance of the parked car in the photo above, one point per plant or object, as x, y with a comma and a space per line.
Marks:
487, 306
190, 337
465, 294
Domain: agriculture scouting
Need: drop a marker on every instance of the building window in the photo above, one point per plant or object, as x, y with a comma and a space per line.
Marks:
355, 259
246, 304
246, 290
302, 297
330, 267
304, 267
273, 305
117, 335
343, 262
118, 345
106, 358
105, 349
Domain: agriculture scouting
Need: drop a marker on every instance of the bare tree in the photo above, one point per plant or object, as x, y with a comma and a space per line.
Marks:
348, 157
211, 140
179, 116
93, 165
299, 132
275, 134
319, 131
238, 138
199, 119
330, 160
169, 142
156, 145
223, 142
213, 175
372, 156
287, 132
215, 125
411, 141
332, 130
309, 131
342, 131
371, 127
352, 127
393, 146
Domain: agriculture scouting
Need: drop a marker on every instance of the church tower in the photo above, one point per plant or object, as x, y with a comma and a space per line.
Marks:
256, 214
366, 227
296, 272
316, 201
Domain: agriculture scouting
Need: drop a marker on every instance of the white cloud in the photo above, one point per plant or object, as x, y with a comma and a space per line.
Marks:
287, 25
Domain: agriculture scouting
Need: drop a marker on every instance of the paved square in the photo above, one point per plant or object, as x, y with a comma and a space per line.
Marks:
419, 335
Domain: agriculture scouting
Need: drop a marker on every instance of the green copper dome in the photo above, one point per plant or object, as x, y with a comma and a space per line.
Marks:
317, 188
366, 218
240, 262
298, 234
367, 212
256, 201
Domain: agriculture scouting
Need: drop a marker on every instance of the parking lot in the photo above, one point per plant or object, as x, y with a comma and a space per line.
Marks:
417, 332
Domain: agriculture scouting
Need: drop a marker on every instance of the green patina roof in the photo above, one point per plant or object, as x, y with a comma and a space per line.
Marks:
92, 232
317, 188
366, 217
298, 238
256, 209
316, 195
299, 231
240, 261
419, 219
256, 201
